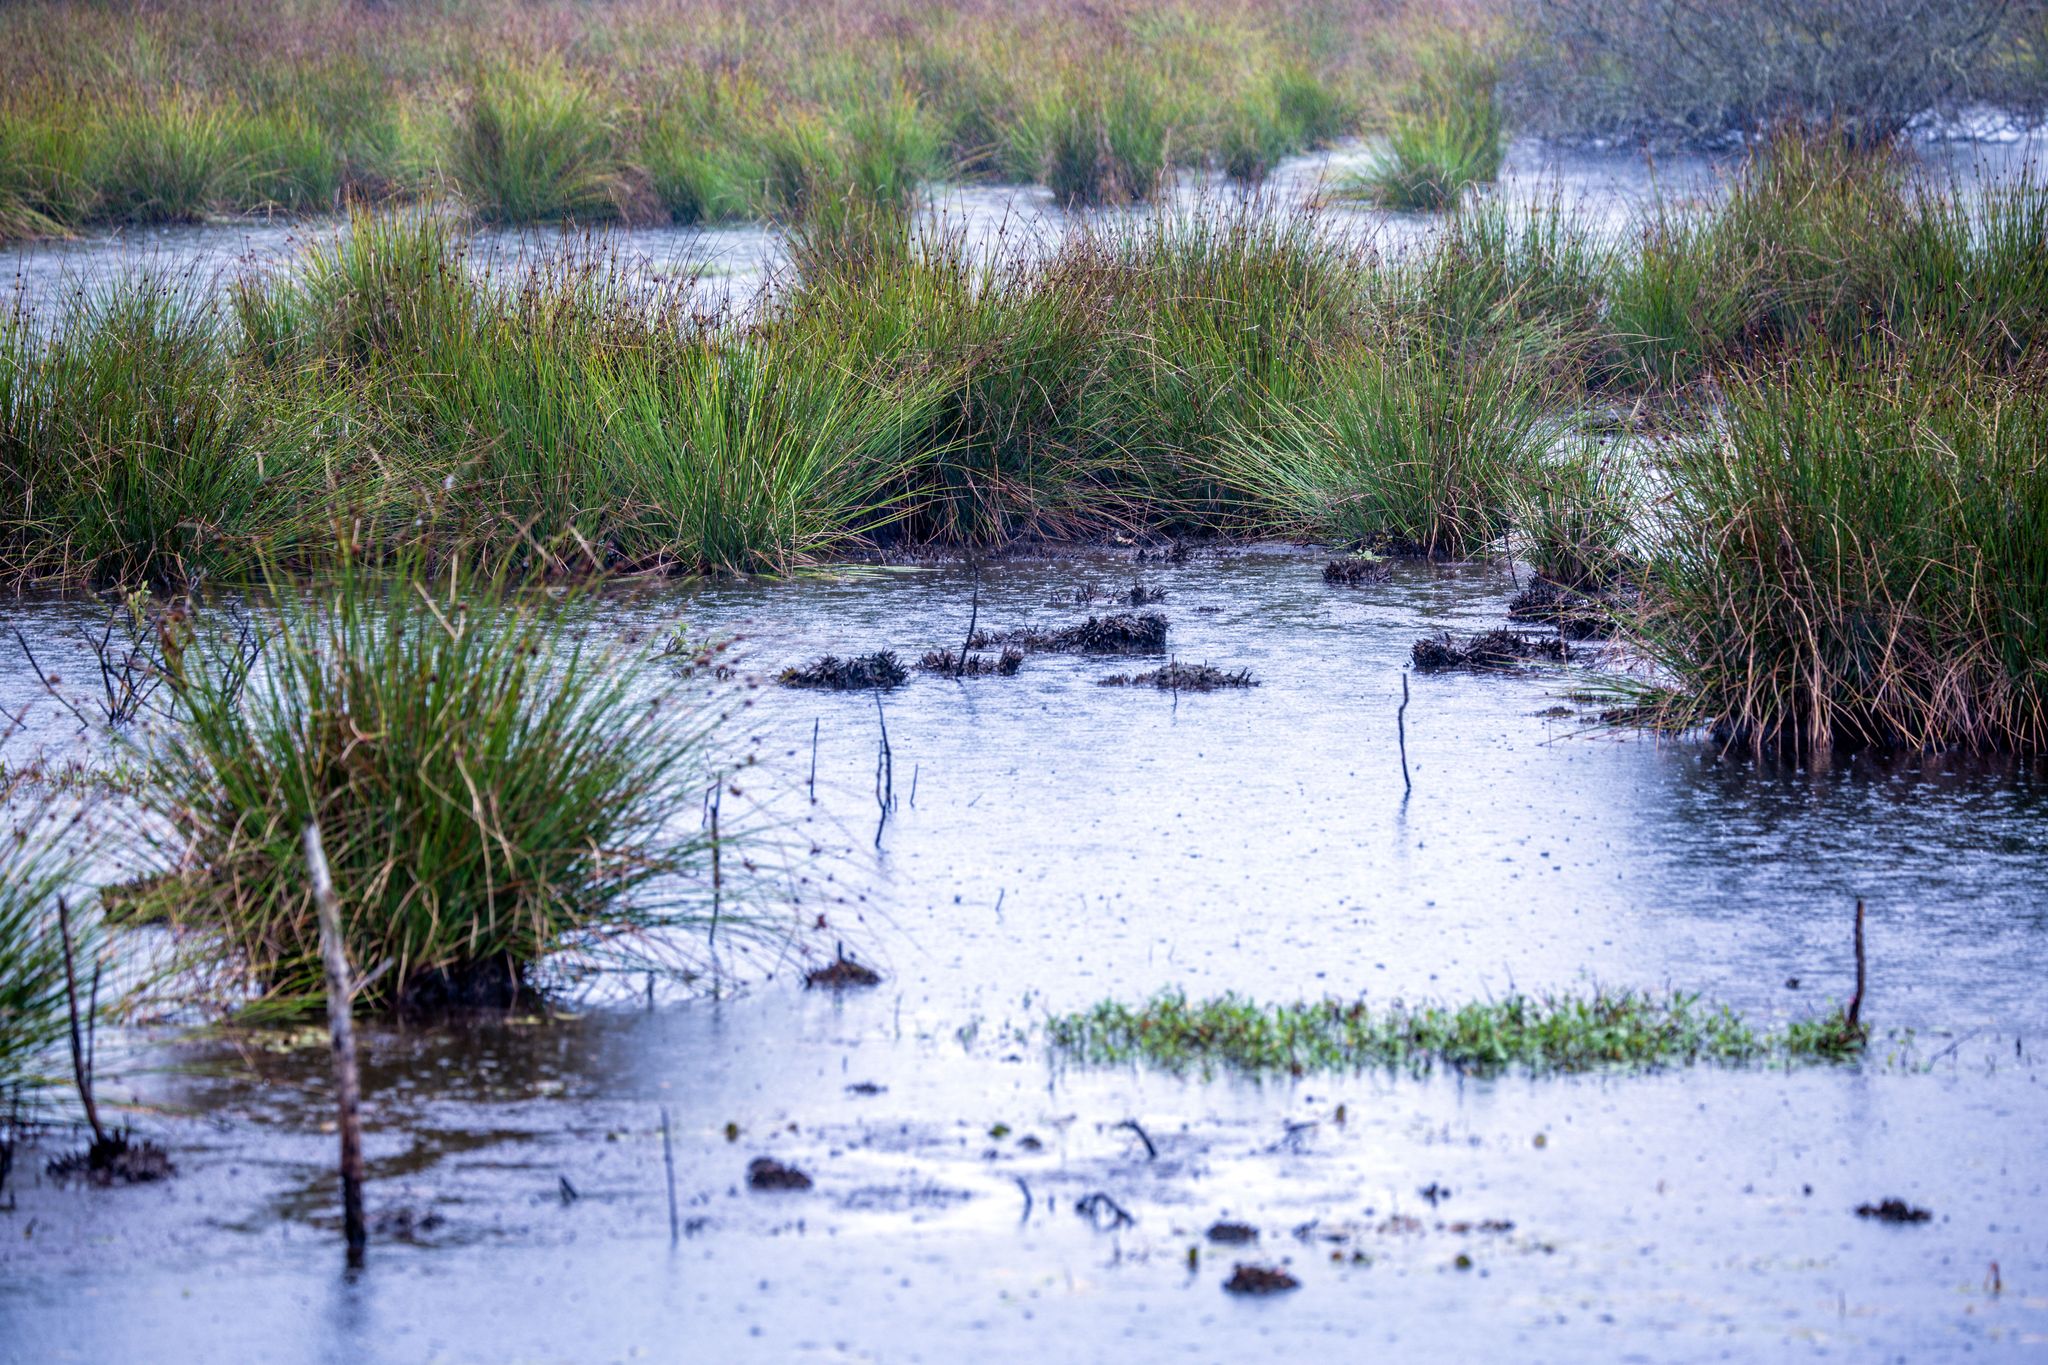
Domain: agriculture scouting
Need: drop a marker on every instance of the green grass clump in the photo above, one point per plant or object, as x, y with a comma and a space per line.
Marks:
490, 790
163, 160
1623, 1030
535, 144
1859, 556
35, 868
1092, 145
1412, 445
1444, 136
131, 448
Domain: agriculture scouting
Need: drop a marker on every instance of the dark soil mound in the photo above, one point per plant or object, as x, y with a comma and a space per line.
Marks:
1357, 570
1579, 615
841, 973
1893, 1211
1493, 650
766, 1173
116, 1159
978, 665
1179, 677
879, 670
1259, 1279
1119, 633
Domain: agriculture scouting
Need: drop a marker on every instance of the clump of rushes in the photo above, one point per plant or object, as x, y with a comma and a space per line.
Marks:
1412, 447
495, 795
1092, 143
1444, 136
130, 448
37, 865
534, 144
161, 160
1606, 1030
1858, 556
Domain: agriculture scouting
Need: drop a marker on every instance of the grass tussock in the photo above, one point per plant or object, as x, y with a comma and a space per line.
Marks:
494, 795
1606, 1030
1445, 135
1859, 556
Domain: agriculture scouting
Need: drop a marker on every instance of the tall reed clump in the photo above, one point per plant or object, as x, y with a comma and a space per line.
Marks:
492, 792
1444, 135
1859, 556
1094, 143
36, 866
1414, 447
162, 160
131, 449
1215, 320
534, 144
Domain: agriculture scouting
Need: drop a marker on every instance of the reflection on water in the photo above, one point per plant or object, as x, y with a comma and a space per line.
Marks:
1070, 841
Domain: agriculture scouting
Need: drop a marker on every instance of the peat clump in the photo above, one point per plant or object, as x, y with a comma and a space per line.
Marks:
1577, 614
841, 973
1490, 651
116, 1159
1259, 1279
1893, 1211
948, 663
1180, 677
1117, 633
856, 673
1354, 571
766, 1173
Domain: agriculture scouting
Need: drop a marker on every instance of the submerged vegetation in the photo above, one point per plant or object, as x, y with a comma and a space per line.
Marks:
1603, 1030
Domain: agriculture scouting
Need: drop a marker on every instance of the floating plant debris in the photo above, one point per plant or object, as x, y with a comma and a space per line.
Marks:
841, 973
1118, 633
948, 663
858, 673
1893, 1211
1355, 570
1495, 649
1260, 1279
1232, 1234
766, 1173
1580, 615
116, 1159
1179, 677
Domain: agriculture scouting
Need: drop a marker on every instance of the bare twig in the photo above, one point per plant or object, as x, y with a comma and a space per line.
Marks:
81, 1065
1401, 729
1855, 1016
814, 762
885, 773
973, 617
1151, 1152
341, 1027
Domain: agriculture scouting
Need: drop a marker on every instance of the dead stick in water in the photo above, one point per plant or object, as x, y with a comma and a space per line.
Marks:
341, 1025
1401, 729
668, 1159
717, 874
973, 616
1856, 1000
81, 1069
885, 772
814, 762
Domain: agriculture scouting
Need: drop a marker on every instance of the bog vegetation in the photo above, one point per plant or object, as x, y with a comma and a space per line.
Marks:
1844, 542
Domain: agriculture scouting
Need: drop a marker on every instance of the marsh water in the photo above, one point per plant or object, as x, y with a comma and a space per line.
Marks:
725, 267
1057, 842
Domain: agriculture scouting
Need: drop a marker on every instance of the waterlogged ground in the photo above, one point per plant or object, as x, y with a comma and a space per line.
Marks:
725, 267
1068, 842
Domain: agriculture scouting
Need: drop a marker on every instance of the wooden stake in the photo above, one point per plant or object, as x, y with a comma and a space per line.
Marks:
341, 1027
1856, 1000
1401, 728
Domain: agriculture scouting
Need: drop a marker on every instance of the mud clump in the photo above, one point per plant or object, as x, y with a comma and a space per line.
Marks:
881, 670
1488, 652
116, 1159
1578, 615
1232, 1234
1893, 1211
1118, 633
1355, 571
766, 1173
948, 664
841, 974
1179, 677
1259, 1279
